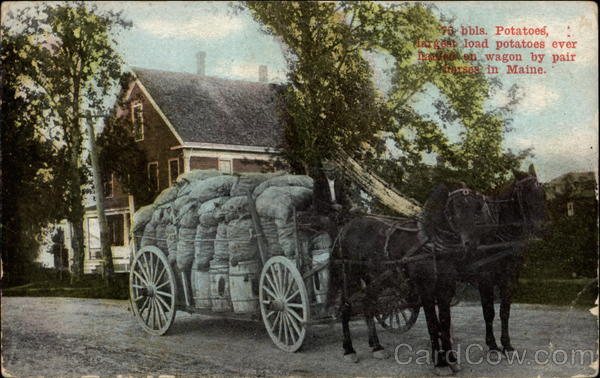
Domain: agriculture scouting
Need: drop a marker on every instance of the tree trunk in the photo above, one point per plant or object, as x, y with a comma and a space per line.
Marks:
76, 215
105, 240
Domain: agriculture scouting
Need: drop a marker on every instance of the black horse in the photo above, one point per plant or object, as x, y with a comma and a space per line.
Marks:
369, 261
518, 214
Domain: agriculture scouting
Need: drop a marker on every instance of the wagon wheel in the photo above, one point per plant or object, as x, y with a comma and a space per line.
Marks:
152, 290
400, 318
284, 303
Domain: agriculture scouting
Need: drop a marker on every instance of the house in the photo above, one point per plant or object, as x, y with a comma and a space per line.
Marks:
183, 122
572, 193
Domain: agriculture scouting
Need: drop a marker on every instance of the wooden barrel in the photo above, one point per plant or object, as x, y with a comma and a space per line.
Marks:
321, 279
201, 289
243, 284
219, 287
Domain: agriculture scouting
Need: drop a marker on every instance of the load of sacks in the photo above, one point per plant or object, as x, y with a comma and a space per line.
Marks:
204, 218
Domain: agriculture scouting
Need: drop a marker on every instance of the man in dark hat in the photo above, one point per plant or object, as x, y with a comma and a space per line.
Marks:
330, 198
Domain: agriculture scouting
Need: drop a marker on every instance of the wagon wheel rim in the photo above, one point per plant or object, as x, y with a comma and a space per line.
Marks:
153, 291
284, 303
400, 319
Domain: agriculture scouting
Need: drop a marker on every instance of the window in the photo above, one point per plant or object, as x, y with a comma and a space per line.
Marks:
153, 176
225, 166
108, 187
137, 120
173, 170
116, 229
570, 209
93, 233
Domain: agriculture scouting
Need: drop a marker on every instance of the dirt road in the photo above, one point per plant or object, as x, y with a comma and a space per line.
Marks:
64, 336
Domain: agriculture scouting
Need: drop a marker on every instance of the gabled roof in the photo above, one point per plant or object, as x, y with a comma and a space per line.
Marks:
206, 109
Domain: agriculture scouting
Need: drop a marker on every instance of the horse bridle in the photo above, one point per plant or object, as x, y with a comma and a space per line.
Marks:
465, 192
518, 191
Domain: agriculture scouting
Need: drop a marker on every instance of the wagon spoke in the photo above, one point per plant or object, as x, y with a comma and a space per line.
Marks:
138, 298
280, 278
293, 323
153, 268
295, 315
285, 330
278, 288
160, 276
164, 293
292, 296
143, 269
137, 286
140, 277
143, 306
162, 284
269, 314
272, 285
162, 301
161, 314
270, 293
288, 287
295, 305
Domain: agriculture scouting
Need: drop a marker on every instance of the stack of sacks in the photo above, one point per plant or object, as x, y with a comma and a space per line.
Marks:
234, 208
161, 228
140, 219
243, 246
206, 232
187, 222
221, 254
276, 203
149, 237
245, 184
196, 175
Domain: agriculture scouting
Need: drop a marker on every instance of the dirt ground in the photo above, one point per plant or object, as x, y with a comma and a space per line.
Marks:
66, 336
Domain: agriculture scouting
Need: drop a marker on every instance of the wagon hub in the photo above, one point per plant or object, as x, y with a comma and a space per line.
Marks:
276, 305
148, 291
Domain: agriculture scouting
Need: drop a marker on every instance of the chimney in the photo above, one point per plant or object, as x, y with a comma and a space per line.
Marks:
263, 75
200, 63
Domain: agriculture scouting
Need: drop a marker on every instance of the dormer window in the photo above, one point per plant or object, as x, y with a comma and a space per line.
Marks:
137, 121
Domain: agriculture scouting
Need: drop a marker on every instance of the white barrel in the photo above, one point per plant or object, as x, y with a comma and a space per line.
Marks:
243, 284
219, 287
321, 279
201, 289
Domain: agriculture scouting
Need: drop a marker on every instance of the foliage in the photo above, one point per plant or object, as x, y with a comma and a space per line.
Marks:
69, 66
121, 155
570, 247
332, 103
32, 168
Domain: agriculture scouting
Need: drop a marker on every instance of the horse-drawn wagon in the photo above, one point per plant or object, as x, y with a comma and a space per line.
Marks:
287, 292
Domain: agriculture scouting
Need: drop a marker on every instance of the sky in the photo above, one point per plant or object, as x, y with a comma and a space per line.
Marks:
557, 117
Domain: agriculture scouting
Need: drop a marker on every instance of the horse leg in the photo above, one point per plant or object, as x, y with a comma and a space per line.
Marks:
506, 300
486, 292
346, 314
444, 297
369, 305
428, 304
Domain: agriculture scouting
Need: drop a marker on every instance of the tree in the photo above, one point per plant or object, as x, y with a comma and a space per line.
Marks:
332, 104
71, 67
32, 168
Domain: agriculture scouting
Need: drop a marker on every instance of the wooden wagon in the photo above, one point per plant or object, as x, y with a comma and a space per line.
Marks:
287, 299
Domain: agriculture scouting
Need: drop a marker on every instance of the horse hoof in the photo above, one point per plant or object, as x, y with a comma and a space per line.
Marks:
509, 351
454, 366
442, 371
381, 354
351, 357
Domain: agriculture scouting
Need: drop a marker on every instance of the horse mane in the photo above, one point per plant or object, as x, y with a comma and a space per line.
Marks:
432, 215
506, 189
